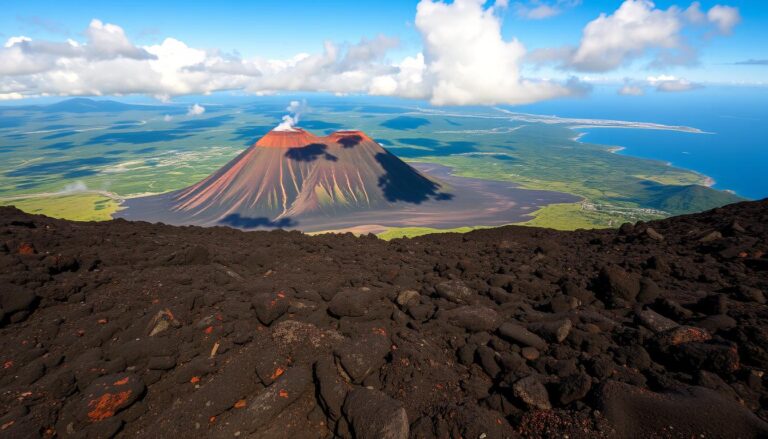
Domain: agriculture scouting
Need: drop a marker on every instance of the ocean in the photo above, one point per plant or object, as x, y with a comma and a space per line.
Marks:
735, 154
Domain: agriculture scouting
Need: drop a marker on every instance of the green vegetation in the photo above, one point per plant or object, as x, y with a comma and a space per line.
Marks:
79, 207
568, 217
412, 232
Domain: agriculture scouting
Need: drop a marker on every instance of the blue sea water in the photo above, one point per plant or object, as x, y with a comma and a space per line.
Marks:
735, 155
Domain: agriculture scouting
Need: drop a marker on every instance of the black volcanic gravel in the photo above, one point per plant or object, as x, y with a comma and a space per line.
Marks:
137, 330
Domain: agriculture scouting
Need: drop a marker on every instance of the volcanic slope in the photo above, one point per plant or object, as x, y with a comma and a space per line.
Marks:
292, 174
656, 330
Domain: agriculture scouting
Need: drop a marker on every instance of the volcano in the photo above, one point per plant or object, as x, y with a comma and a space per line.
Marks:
292, 176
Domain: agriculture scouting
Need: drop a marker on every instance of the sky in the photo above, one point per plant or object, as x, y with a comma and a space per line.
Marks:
461, 52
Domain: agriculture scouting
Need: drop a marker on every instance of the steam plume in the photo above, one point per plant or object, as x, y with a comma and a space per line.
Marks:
295, 108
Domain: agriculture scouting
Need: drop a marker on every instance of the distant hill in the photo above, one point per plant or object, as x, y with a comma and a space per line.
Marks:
686, 199
86, 105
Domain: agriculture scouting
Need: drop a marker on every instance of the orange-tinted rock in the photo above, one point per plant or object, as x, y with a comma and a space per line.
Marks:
295, 138
27, 249
110, 394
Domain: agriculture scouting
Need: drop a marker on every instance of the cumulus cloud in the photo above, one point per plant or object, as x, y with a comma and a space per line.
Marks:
724, 17
660, 83
610, 40
195, 110
636, 29
671, 84
472, 67
541, 9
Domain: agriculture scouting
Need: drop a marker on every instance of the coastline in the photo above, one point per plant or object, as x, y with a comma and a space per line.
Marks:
706, 180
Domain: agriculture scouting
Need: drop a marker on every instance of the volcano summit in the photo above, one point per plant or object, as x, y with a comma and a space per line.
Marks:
294, 179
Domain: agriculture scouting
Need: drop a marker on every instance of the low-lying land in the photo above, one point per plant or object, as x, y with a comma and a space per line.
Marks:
130, 329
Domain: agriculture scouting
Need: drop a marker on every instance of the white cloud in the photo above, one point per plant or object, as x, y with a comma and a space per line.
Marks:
470, 67
666, 83
473, 66
195, 110
610, 41
167, 118
635, 30
11, 96
16, 40
109, 41
724, 17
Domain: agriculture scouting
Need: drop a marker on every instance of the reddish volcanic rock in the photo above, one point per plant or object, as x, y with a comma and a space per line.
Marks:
295, 138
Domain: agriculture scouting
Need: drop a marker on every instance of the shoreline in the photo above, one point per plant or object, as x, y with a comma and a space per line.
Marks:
706, 180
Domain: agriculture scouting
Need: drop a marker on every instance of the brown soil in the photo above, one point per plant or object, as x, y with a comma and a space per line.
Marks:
137, 330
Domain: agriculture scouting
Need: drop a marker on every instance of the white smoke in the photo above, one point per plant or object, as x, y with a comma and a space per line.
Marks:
295, 108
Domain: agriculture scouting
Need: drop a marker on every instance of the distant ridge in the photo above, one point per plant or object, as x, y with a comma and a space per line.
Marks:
87, 105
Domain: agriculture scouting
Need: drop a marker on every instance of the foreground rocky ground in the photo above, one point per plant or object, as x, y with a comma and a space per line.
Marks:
139, 330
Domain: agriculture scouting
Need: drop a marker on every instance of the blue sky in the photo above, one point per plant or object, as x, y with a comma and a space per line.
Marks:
279, 30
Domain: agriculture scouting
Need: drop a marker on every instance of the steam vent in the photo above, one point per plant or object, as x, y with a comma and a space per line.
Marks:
288, 175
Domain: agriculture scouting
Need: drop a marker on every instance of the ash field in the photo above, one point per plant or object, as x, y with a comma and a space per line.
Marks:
130, 329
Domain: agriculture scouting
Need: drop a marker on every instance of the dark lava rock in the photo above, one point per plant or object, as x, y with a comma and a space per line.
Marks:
351, 303
518, 334
473, 318
270, 306
454, 291
616, 284
269, 402
15, 299
688, 412
532, 392
574, 387
332, 387
655, 321
554, 332
713, 304
373, 414
487, 359
750, 294
363, 355
136, 333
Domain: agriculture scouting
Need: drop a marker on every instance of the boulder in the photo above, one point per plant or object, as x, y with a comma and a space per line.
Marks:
473, 318
554, 332
518, 334
270, 306
373, 414
363, 355
655, 321
454, 291
351, 303
617, 285
532, 392
687, 411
